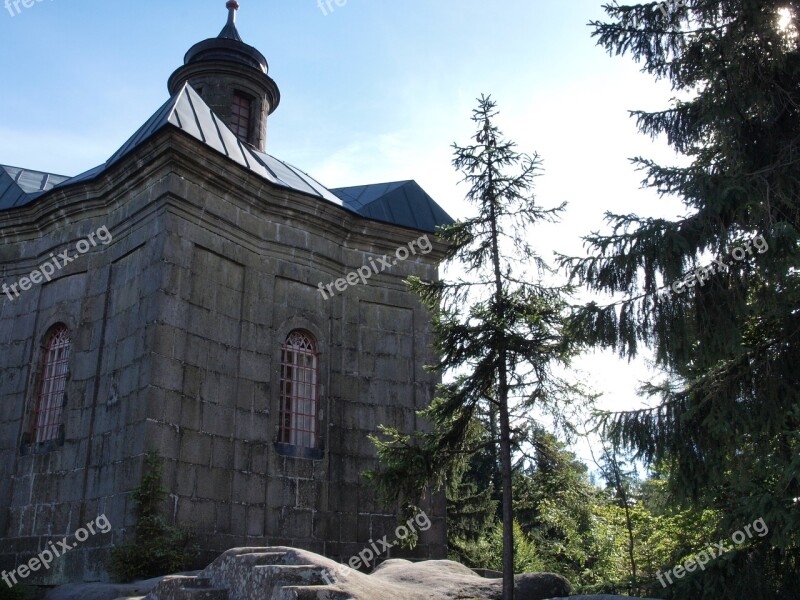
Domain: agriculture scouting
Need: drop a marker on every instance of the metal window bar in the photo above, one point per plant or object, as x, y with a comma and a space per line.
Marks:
298, 414
49, 406
240, 117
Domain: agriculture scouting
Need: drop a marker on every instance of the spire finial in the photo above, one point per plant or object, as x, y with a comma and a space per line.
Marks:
232, 7
229, 31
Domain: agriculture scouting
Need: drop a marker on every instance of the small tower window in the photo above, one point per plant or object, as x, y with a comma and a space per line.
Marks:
298, 414
240, 116
48, 416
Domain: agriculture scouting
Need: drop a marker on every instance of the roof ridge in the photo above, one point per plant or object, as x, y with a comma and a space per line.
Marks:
398, 182
5, 167
391, 202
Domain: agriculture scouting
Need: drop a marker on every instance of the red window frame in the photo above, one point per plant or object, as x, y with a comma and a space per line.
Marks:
299, 384
48, 414
240, 116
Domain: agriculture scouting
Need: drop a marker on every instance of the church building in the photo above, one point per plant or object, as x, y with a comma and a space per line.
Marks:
199, 297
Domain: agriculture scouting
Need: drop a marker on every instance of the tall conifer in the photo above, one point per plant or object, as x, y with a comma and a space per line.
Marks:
727, 420
499, 327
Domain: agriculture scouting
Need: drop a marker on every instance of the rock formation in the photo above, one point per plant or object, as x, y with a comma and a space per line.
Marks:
281, 573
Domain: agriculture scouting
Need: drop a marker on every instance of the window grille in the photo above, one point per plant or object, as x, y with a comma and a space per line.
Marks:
240, 117
298, 411
47, 418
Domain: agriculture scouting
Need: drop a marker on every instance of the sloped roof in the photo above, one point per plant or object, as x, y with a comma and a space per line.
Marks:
400, 202
403, 203
188, 112
20, 186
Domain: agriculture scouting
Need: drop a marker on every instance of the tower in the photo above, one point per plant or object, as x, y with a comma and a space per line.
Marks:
232, 77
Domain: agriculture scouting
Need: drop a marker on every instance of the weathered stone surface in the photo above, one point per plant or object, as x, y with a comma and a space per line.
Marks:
103, 591
177, 330
601, 597
177, 326
280, 573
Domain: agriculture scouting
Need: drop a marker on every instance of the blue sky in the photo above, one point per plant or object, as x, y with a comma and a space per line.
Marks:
373, 91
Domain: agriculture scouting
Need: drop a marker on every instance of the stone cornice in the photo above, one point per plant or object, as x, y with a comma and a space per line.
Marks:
173, 153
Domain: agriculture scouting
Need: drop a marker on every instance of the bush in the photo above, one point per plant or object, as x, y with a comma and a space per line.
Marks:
487, 553
15, 593
158, 548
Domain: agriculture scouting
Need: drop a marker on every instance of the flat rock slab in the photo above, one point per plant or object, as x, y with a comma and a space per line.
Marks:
280, 573
446, 580
395, 579
601, 597
104, 591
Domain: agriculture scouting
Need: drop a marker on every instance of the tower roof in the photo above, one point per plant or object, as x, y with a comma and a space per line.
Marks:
229, 32
402, 203
227, 46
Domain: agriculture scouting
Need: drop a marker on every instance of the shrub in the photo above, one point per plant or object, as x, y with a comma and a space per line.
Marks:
487, 552
15, 593
158, 548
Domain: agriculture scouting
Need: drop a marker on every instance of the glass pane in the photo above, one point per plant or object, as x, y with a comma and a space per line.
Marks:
298, 390
55, 364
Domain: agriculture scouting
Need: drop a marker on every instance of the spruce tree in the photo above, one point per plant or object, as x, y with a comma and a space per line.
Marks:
498, 327
715, 293
622, 478
472, 509
553, 502
158, 548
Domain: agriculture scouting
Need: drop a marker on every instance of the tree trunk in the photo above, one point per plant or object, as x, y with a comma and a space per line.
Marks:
502, 395
629, 523
497, 480
508, 506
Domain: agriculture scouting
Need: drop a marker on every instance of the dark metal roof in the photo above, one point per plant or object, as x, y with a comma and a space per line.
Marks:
403, 203
21, 186
229, 31
228, 46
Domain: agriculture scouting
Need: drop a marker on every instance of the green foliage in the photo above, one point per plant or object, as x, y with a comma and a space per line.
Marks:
471, 507
660, 541
158, 548
555, 504
487, 552
727, 425
17, 592
409, 463
499, 327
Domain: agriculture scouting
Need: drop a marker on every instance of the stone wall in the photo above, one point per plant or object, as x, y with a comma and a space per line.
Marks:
230, 295
177, 326
105, 298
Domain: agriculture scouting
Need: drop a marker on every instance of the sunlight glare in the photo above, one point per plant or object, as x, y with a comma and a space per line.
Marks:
786, 23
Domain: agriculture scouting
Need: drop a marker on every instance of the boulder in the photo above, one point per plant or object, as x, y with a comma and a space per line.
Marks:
601, 597
281, 573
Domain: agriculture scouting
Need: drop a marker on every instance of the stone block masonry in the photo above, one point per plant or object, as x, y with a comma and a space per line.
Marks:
177, 327
45, 558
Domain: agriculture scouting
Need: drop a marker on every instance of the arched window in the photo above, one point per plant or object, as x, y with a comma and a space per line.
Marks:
298, 414
47, 418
